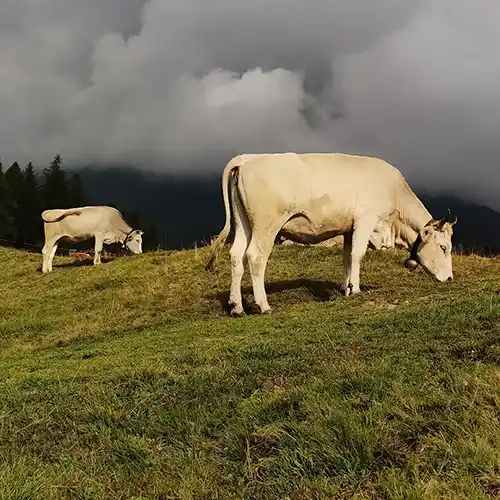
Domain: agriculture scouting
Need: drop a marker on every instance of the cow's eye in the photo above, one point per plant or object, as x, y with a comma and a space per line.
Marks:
443, 248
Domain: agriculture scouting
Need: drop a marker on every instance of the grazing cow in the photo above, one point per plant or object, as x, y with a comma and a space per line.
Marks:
308, 198
105, 224
382, 237
387, 233
337, 241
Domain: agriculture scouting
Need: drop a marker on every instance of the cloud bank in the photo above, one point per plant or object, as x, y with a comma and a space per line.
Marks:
185, 84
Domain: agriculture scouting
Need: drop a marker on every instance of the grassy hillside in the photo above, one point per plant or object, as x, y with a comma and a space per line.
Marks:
129, 381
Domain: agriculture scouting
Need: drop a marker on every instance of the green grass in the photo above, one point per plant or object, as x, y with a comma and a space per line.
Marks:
129, 381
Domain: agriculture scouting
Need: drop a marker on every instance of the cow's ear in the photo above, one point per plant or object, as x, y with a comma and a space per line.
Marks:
140, 232
426, 233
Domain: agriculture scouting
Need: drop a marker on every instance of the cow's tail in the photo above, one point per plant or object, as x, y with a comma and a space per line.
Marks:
49, 215
217, 245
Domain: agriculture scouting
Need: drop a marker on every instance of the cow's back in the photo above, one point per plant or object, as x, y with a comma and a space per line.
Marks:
346, 182
91, 219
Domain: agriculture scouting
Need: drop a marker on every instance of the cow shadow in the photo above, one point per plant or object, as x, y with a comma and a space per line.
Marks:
318, 291
83, 262
78, 263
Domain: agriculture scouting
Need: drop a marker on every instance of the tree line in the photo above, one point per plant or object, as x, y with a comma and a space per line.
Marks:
26, 193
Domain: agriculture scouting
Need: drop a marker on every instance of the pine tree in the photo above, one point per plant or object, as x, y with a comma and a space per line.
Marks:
55, 190
6, 207
14, 181
30, 208
76, 192
14, 177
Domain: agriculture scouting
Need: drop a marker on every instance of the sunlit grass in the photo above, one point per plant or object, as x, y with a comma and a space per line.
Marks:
130, 381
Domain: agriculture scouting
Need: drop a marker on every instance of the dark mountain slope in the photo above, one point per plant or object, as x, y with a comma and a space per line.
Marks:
189, 208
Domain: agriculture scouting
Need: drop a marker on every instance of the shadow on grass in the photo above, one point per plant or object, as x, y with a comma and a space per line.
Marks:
79, 263
84, 262
319, 291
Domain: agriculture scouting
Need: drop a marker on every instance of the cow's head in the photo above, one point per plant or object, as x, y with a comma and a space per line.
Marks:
133, 241
432, 249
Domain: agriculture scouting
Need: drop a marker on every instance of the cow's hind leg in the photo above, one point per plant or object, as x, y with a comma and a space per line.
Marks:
237, 253
48, 252
347, 263
360, 238
257, 254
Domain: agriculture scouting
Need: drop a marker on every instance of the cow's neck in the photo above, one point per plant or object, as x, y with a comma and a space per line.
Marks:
414, 217
124, 231
125, 238
406, 233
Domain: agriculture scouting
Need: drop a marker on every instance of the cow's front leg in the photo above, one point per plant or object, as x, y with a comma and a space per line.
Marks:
97, 250
361, 235
344, 287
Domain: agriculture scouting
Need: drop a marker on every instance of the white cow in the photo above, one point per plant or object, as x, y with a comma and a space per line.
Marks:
382, 238
311, 197
105, 224
387, 233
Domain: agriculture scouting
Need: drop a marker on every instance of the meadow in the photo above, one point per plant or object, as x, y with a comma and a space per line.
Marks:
130, 380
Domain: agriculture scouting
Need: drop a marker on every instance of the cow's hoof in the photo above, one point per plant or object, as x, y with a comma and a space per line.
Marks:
264, 311
237, 312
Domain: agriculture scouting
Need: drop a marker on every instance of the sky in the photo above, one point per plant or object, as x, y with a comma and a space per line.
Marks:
183, 85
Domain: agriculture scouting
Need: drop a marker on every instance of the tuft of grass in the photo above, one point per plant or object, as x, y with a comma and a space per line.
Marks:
129, 380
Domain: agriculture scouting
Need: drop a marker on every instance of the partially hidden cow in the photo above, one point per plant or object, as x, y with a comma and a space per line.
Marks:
382, 238
105, 224
311, 197
387, 233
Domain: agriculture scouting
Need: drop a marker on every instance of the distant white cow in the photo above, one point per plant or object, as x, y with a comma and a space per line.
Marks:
312, 197
105, 224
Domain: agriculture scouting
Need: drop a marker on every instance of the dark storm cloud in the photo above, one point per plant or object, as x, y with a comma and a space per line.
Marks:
182, 83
